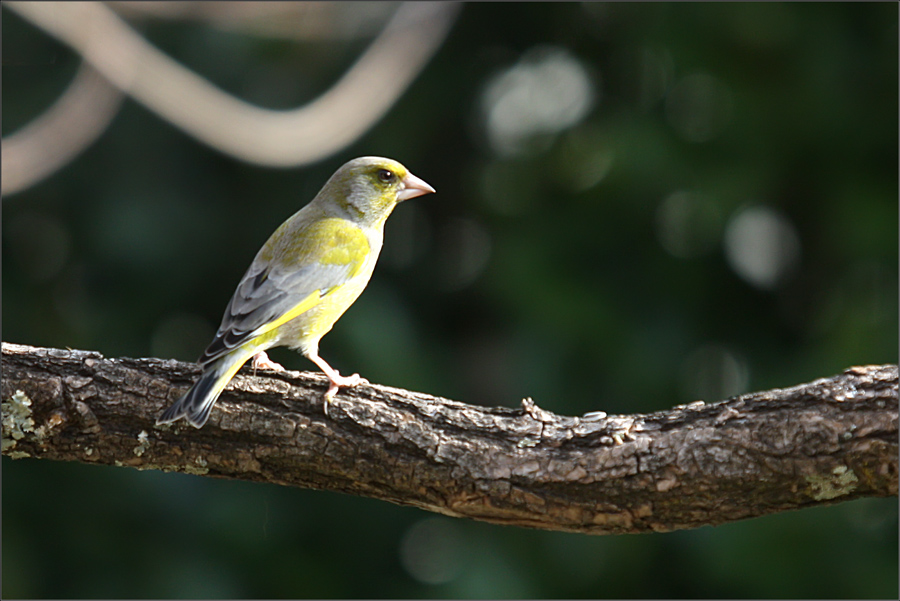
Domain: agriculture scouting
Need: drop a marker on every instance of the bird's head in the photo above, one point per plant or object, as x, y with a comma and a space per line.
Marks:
368, 188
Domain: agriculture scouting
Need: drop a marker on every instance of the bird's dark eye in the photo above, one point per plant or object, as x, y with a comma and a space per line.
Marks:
386, 176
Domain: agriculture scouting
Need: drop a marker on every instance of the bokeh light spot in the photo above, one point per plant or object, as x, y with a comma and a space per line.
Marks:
712, 373
584, 159
699, 107
688, 224
464, 252
657, 75
761, 246
432, 550
507, 189
547, 91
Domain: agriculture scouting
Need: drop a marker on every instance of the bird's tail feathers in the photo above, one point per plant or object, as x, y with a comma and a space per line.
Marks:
197, 402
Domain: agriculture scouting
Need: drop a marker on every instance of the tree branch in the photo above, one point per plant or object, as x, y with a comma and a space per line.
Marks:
827, 441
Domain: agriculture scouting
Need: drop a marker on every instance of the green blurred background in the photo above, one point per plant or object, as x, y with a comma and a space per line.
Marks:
638, 206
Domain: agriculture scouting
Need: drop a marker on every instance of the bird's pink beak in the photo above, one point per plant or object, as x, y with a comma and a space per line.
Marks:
412, 187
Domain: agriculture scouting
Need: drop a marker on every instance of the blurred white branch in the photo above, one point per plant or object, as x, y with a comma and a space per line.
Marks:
61, 133
307, 20
275, 138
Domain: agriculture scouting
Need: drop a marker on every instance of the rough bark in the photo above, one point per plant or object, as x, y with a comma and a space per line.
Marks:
823, 442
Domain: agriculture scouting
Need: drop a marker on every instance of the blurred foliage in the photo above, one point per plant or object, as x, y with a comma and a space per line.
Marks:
705, 204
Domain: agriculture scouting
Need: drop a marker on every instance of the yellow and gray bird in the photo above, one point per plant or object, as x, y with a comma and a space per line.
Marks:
303, 279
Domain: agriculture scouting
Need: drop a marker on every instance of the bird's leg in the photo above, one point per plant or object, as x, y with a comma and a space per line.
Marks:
336, 380
261, 361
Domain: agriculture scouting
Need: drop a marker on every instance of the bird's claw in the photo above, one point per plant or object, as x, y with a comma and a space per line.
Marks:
261, 361
339, 382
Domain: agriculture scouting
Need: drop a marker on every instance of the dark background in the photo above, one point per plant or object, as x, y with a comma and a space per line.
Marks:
601, 258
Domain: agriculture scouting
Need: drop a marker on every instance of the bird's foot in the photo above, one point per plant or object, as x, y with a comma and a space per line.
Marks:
261, 361
336, 382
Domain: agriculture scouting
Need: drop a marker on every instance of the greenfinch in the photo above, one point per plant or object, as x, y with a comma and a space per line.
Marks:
302, 280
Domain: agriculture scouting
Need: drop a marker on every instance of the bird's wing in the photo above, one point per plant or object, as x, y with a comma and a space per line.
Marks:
289, 277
